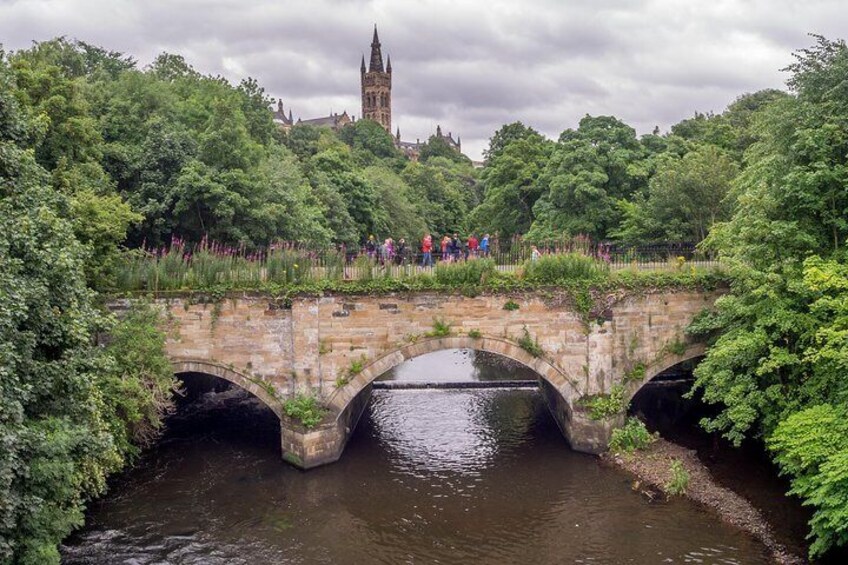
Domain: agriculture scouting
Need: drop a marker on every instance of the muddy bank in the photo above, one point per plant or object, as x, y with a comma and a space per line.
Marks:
652, 468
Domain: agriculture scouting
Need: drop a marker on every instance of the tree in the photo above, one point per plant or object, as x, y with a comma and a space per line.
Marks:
511, 182
589, 171
506, 135
303, 141
55, 449
335, 167
370, 140
686, 197
811, 446
439, 200
402, 217
71, 413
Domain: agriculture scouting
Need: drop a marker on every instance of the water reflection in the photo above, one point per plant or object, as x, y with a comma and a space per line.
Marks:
428, 477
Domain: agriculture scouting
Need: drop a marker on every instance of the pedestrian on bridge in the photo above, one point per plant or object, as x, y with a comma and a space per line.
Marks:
427, 251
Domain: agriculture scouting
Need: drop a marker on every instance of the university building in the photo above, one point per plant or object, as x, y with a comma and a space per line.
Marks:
376, 91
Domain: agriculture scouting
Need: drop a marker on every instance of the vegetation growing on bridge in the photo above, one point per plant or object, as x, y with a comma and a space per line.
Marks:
529, 344
605, 406
305, 408
441, 328
587, 295
212, 266
511, 305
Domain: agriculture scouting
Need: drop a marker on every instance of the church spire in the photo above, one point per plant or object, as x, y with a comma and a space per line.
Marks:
362, 68
377, 87
376, 54
388, 63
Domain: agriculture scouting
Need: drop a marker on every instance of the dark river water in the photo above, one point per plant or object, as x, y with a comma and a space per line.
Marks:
479, 476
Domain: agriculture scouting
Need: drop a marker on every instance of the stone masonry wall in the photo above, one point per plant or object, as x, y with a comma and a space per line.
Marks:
319, 339
337, 345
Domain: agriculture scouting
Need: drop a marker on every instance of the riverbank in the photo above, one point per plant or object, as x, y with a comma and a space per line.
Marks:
652, 469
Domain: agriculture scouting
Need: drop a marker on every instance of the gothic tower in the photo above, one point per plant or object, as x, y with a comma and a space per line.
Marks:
377, 87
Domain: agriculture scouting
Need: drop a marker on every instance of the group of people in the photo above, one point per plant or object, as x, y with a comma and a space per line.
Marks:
453, 248
448, 248
387, 252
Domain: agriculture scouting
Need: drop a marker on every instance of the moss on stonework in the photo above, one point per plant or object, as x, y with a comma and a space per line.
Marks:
290, 457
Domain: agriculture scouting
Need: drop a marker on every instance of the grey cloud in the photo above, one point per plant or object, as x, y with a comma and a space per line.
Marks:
470, 66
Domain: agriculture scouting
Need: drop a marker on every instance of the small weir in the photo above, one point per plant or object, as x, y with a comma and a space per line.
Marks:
418, 385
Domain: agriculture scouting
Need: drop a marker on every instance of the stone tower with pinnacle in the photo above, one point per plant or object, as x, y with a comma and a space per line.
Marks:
377, 86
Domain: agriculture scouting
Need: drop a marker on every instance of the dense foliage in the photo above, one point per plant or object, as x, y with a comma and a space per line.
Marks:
66, 418
778, 361
604, 181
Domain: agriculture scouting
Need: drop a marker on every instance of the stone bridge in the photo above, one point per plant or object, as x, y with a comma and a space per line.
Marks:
336, 345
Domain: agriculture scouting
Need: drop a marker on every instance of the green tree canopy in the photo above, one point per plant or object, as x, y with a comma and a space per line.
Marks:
590, 169
686, 197
517, 158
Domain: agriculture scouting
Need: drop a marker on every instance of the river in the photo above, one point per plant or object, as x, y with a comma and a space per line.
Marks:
434, 476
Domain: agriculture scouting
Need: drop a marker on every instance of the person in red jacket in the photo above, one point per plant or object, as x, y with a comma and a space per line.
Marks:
427, 251
473, 244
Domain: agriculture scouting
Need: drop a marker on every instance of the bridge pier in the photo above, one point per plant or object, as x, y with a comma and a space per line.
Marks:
582, 432
306, 449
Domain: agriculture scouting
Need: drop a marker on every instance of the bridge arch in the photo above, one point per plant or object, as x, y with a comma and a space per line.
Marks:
342, 397
241, 380
662, 364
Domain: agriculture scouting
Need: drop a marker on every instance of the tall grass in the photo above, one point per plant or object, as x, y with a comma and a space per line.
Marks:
464, 273
552, 269
180, 266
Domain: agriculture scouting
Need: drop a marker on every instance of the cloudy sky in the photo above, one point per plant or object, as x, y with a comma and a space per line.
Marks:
469, 65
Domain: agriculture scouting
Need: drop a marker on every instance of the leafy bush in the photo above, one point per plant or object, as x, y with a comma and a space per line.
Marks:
510, 306
474, 334
603, 406
138, 386
679, 481
812, 447
306, 408
552, 269
467, 273
630, 437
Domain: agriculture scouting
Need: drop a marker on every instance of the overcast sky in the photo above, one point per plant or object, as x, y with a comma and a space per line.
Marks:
469, 65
